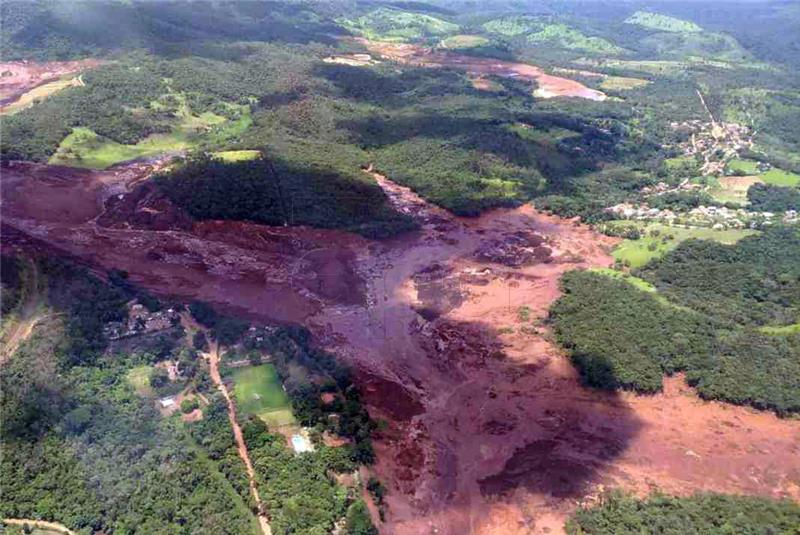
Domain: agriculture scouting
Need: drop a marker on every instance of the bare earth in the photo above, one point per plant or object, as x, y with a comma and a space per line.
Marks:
18, 77
489, 428
549, 86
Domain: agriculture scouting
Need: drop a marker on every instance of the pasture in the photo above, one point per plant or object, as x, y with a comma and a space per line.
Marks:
636, 253
258, 391
733, 188
779, 177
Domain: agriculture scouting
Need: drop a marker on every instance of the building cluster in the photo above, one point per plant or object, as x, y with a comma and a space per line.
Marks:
142, 321
716, 217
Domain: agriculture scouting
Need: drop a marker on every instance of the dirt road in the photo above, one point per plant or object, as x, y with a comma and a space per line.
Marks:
40, 524
20, 325
212, 357
490, 430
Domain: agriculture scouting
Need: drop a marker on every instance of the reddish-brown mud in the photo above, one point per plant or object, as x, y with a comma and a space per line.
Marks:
19, 77
489, 428
548, 85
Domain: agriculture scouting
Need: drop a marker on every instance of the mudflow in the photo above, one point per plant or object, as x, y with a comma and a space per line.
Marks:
488, 428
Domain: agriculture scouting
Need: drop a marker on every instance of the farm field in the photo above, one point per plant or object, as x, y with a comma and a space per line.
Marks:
733, 188
258, 391
636, 253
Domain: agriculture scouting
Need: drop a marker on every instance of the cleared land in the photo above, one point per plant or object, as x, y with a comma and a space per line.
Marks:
139, 378
464, 41
779, 177
86, 149
41, 92
733, 188
258, 391
637, 253
622, 83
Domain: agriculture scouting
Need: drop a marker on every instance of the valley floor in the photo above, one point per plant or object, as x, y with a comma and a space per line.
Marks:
489, 429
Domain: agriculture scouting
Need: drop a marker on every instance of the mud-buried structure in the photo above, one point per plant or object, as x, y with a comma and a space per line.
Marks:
489, 429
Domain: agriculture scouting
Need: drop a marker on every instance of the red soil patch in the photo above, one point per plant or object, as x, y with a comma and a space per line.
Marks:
548, 85
19, 77
489, 428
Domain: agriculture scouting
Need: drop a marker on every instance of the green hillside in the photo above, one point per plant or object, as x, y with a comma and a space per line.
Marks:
663, 23
387, 24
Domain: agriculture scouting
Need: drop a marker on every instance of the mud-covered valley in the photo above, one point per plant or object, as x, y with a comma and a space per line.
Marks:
488, 429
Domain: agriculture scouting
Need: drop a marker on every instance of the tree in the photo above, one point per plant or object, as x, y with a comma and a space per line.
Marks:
358, 520
158, 377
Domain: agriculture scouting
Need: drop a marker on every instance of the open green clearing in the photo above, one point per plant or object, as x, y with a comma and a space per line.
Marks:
464, 41
238, 155
139, 378
636, 253
664, 23
84, 148
748, 167
779, 177
388, 24
259, 391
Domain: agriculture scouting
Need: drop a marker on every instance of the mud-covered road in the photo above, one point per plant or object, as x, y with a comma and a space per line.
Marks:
489, 430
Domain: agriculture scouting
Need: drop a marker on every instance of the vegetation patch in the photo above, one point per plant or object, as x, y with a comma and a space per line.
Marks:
779, 177
238, 155
622, 83
464, 41
259, 391
622, 337
84, 148
733, 188
663, 23
388, 24
278, 193
563, 36
658, 239
619, 514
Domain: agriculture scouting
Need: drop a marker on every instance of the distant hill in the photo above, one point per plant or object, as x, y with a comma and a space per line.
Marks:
664, 23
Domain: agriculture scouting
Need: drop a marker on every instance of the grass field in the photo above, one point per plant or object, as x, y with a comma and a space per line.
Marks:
85, 148
638, 252
464, 41
779, 177
635, 281
749, 167
733, 188
139, 378
784, 330
39, 93
238, 155
622, 83
258, 391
